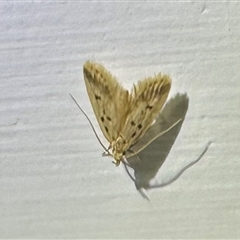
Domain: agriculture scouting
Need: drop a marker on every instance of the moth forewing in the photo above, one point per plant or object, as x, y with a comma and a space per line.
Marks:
107, 97
148, 98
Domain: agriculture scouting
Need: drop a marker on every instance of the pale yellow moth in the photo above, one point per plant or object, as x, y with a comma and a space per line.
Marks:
124, 117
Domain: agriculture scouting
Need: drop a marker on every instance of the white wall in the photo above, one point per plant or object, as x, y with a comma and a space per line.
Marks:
54, 183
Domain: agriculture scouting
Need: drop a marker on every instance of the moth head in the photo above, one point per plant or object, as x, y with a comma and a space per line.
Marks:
118, 149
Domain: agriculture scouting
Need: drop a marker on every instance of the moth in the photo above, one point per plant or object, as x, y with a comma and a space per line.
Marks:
124, 116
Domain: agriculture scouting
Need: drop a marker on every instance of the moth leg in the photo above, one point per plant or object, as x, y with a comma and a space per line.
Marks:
107, 153
116, 162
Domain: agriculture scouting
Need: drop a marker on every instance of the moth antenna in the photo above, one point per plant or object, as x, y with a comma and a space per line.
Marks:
90, 125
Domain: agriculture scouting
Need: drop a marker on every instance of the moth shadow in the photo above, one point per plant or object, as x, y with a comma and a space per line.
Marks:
148, 161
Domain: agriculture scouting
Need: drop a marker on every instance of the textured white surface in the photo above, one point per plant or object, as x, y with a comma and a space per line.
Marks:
54, 183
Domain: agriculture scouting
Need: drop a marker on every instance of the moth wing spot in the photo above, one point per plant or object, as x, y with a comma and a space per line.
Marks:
149, 107
97, 97
106, 129
133, 123
134, 134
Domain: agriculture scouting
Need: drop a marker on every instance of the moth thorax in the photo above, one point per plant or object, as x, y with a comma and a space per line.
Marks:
118, 148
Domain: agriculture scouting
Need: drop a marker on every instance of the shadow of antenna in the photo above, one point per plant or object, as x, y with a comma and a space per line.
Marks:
155, 147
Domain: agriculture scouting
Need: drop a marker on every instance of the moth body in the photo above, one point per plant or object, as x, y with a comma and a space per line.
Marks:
119, 148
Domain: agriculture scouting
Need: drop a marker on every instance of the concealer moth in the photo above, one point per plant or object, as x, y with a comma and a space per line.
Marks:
124, 116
